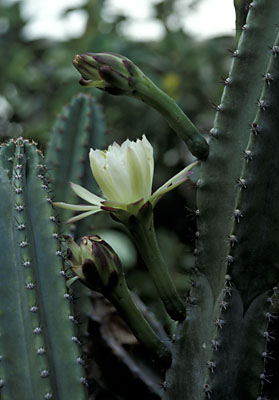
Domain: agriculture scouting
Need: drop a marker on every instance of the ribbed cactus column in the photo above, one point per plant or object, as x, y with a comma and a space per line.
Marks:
79, 126
196, 339
39, 351
253, 270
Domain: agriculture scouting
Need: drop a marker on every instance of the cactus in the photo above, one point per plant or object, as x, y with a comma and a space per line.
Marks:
227, 346
39, 351
78, 127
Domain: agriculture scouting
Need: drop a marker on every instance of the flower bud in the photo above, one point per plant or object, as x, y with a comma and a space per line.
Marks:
95, 263
108, 71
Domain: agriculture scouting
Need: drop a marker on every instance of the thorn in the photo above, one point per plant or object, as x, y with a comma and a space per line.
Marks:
228, 279
263, 378
232, 240
244, 27
219, 323
41, 351
255, 128
30, 285
237, 215
262, 104
225, 81
18, 190
19, 207
76, 340
37, 330
83, 380
224, 305
234, 53
248, 155
20, 226
73, 320
81, 362
218, 108
211, 365
268, 78
242, 183
267, 356
215, 344
275, 50
48, 396
227, 290
229, 259
68, 296
1, 383
33, 309
268, 337
23, 244
207, 390
44, 373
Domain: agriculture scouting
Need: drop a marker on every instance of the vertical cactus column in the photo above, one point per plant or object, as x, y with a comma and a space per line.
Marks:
79, 126
39, 348
198, 338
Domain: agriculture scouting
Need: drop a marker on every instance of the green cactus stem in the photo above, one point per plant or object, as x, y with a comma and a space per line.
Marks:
39, 351
241, 11
78, 127
201, 335
119, 75
143, 232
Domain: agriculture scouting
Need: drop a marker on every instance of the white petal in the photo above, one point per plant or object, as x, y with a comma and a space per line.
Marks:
98, 164
75, 207
83, 215
85, 194
136, 175
118, 170
172, 183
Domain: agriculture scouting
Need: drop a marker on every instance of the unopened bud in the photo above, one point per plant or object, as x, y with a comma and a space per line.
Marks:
108, 71
95, 263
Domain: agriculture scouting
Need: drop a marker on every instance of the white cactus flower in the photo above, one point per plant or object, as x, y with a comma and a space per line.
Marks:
125, 175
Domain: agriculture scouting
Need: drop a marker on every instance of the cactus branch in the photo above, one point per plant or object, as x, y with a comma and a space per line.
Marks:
142, 229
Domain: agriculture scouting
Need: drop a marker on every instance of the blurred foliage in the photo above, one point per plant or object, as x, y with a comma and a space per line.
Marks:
37, 78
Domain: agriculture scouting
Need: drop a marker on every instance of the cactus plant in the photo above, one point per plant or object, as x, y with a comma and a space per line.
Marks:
78, 127
39, 347
226, 348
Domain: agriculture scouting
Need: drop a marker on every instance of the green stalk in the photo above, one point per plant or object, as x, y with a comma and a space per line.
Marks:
121, 298
149, 93
144, 234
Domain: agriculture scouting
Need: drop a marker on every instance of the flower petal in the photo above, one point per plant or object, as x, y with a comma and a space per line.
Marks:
75, 207
85, 194
172, 183
98, 164
83, 215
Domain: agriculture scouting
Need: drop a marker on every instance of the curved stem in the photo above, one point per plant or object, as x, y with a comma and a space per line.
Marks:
145, 237
148, 92
121, 298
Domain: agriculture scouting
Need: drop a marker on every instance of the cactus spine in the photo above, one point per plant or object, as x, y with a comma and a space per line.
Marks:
40, 357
